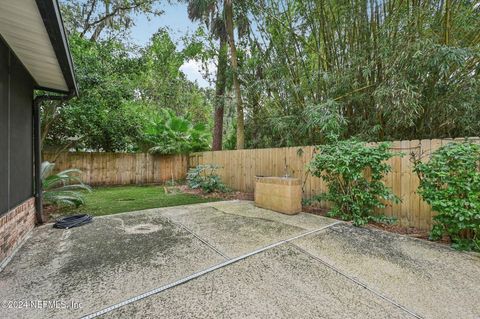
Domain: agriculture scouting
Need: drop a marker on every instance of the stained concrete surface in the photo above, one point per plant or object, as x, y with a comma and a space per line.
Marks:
121, 256
99, 264
278, 283
433, 279
236, 228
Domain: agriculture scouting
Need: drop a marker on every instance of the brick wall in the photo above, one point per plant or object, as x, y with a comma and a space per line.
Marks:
15, 226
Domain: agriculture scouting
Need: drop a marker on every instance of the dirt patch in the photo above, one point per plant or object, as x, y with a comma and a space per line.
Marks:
51, 213
226, 196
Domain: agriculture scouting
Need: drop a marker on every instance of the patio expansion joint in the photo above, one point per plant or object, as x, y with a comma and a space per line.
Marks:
357, 281
202, 272
199, 238
233, 214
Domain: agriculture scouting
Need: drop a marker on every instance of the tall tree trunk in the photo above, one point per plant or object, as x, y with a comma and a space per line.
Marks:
228, 7
220, 95
447, 22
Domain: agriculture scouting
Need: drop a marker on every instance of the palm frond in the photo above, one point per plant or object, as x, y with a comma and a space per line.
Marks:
62, 188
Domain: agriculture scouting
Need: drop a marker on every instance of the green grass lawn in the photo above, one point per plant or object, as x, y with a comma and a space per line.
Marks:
112, 200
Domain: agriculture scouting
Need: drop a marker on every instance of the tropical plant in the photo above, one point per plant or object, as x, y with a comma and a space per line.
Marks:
205, 177
63, 188
353, 173
170, 134
450, 183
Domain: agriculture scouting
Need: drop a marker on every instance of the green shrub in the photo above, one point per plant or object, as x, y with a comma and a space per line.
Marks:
205, 177
450, 183
353, 173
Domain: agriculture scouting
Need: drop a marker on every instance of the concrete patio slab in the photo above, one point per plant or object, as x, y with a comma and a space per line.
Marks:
332, 271
238, 227
99, 264
278, 283
433, 279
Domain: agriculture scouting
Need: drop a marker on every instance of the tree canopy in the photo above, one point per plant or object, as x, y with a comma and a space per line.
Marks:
377, 70
122, 90
297, 73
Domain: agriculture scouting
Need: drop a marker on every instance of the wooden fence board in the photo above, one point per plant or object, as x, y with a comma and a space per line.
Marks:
241, 167
121, 168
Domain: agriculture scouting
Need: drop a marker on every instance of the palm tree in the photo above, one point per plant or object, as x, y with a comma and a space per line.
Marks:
228, 7
210, 12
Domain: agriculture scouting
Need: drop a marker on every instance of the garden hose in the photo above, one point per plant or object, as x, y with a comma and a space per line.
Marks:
73, 221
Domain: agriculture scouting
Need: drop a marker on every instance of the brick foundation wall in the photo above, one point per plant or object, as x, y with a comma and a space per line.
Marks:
15, 226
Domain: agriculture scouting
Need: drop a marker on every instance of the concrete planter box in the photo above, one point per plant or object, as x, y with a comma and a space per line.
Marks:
281, 194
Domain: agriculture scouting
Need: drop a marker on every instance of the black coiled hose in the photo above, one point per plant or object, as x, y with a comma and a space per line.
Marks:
73, 221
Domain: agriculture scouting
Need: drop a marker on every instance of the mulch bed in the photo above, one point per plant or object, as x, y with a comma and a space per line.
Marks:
315, 210
392, 228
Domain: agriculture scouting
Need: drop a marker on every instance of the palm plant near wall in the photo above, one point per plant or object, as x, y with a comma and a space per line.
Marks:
63, 188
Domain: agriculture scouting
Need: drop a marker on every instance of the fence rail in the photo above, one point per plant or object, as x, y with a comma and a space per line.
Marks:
121, 168
238, 169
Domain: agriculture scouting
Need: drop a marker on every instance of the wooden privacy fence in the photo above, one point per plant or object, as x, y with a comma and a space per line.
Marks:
121, 168
238, 169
